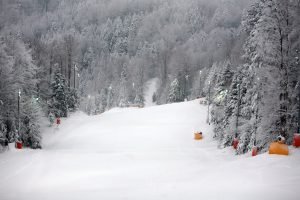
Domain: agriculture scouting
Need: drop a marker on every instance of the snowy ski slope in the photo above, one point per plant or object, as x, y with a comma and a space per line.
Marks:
143, 154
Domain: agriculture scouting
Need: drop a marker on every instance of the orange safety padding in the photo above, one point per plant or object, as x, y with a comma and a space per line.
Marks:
198, 136
277, 148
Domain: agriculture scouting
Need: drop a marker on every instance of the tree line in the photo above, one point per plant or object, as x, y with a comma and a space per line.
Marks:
99, 54
258, 100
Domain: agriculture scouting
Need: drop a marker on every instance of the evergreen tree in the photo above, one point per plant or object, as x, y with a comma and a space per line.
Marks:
223, 83
264, 59
3, 136
72, 99
97, 104
58, 103
30, 128
227, 132
123, 99
175, 93
103, 100
139, 98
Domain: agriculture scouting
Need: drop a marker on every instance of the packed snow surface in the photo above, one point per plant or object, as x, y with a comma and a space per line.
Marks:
143, 154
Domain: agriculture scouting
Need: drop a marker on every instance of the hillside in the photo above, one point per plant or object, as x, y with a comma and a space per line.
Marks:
146, 153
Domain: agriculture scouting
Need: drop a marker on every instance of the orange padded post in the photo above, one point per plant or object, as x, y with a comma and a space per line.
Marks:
198, 136
278, 148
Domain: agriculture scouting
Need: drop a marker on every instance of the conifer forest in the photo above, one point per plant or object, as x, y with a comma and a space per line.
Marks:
239, 58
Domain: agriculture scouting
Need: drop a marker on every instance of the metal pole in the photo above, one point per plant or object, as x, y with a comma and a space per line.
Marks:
74, 76
186, 87
208, 103
256, 115
19, 98
238, 110
299, 107
298, 63
200, 83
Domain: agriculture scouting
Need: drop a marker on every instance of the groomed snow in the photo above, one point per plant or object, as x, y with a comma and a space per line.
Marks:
143, 154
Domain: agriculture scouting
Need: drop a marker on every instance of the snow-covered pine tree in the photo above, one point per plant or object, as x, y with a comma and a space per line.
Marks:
88, 59
223, 83
265, 61
72, 99
271, 46
246, 115
123, 98
30, 128
3, 136
20, 77
58, 103
241, 122
103, 100
211, 79
139, 98
6, 88
294, 66
220, 98
294, 90
175, 93
246, 128
230, 112
97, 104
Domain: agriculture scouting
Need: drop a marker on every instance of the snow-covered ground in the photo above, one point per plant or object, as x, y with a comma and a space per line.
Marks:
143, 154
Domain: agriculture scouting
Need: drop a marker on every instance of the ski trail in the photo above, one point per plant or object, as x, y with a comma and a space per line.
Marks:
146, 153
150, 89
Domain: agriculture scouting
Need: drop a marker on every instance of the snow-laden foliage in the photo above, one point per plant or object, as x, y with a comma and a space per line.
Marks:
63, 98
18, 78
238, 52
261, 99
175, 93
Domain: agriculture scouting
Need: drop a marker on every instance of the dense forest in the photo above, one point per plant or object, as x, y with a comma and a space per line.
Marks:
242, 55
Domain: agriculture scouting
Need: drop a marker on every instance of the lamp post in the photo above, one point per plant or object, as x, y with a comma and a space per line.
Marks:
19, 99
208, 121
134, 92
108, 98
257, 110
75, 69
200, 72
235, 139
254, 148
298, 63
296, 141
89, 106
1, 104
186, 87
238, 111
299, 107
